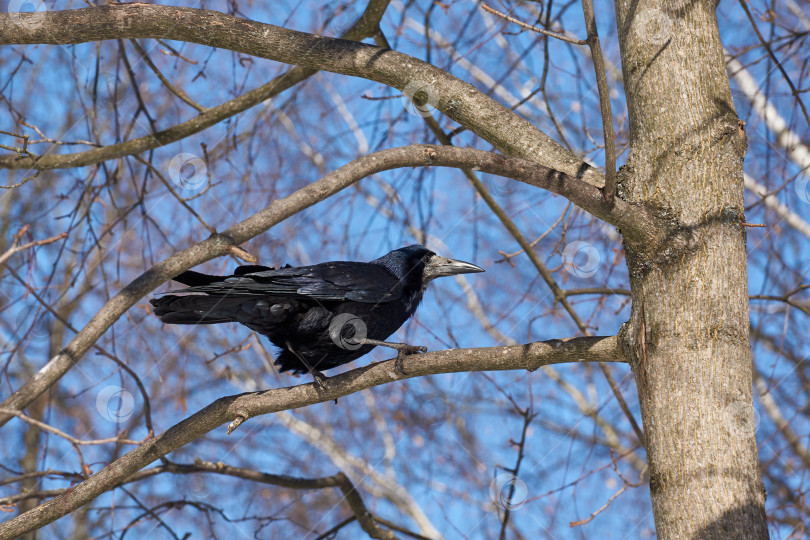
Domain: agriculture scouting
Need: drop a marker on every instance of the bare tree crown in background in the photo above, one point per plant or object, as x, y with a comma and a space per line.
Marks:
633, 176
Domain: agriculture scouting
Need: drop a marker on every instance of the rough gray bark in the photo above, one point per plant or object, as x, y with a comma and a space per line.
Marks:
688, 332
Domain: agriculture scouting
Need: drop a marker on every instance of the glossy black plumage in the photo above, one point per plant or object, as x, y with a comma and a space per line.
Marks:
319, 314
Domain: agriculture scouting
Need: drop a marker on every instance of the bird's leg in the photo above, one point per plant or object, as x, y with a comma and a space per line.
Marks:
319, 378
403, 350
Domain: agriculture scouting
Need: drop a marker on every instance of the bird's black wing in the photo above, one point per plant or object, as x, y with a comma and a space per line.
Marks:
333, 281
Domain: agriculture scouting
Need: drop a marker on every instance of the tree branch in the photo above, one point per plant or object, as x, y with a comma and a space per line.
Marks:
604, 102
533, 28
636, 223
529, 356
367, 26
459, 100
608, 204
16, 247
366, 520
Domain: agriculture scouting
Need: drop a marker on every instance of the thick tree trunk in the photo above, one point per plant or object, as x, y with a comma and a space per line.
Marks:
688, 332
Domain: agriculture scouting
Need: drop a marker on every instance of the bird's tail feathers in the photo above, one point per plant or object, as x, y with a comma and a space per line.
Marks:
195, 309
196, 279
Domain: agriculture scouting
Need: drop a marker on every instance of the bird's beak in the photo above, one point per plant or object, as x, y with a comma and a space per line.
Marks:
439, 266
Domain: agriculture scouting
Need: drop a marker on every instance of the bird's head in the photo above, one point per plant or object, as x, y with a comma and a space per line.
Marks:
438, 266
417, 261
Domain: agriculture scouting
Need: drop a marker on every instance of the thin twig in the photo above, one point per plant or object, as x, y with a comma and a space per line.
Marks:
613, 497
47, 139
73, 440
331, 533
542, 31
240, 253
604, 103
172, 52
17, 237
23, 181
558, 293
19, 151
596, 290
508, 256
599, 511
528, 416
174, 193
793, 90
174, 90
803, 308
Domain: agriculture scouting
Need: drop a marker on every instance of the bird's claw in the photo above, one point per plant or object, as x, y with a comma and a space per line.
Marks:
398, 364
319, 380
406, 350
318, 377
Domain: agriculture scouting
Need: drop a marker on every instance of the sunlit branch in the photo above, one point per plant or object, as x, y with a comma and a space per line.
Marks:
237, 409
636, 224
457, 99
367, 26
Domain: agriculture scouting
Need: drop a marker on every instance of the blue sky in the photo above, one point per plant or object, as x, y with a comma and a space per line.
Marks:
122, 220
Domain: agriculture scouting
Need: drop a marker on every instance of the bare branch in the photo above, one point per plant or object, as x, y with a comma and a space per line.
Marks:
365, 27
541, 31
634, 221
459, 100
367, 521
776, 61
339, 480
172, 88
529, 356
73, 440
18, 237
604, 103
